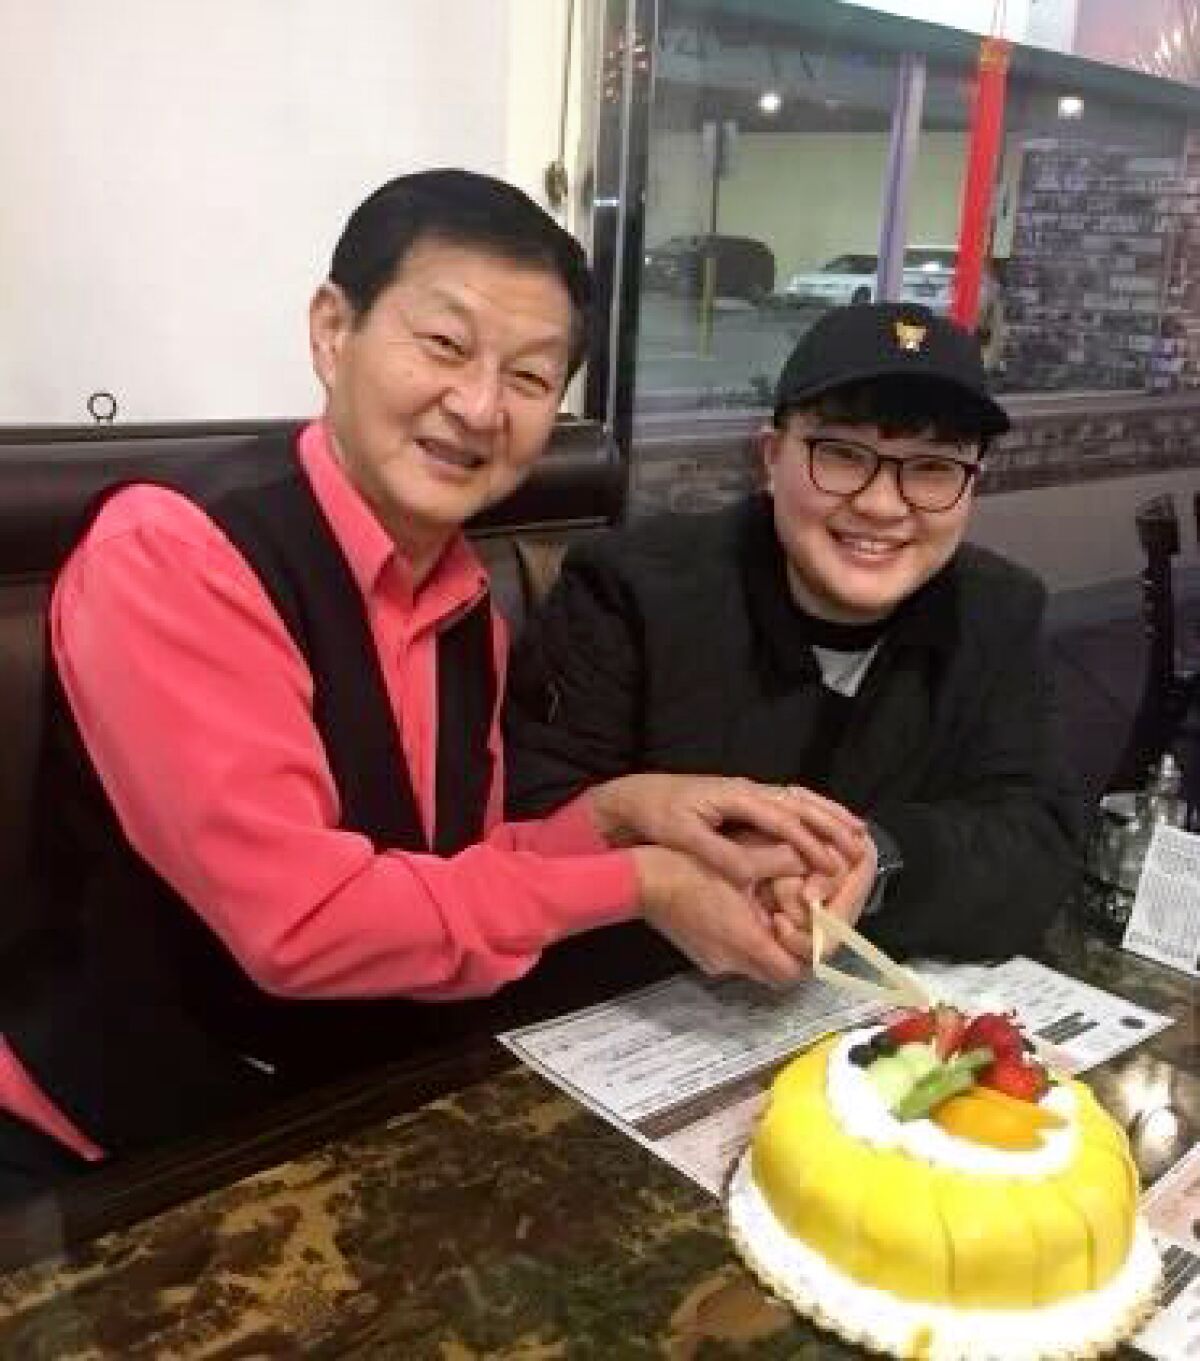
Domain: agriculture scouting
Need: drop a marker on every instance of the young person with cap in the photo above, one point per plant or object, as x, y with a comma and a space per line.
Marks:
835, 633
273, 780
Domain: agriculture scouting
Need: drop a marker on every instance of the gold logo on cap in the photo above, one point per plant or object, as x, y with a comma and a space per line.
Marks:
910, 336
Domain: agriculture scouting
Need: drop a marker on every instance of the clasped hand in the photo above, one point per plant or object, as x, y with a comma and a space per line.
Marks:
727, 867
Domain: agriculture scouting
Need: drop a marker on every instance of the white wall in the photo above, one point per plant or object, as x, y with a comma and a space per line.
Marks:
537, 51
175, 175
810, 196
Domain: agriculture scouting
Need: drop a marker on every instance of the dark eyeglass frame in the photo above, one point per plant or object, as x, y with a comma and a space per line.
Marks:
969, 470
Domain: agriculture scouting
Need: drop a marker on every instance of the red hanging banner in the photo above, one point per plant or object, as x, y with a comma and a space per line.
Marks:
983, 153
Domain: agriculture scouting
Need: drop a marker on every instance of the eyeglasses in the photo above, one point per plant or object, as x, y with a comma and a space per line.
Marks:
928, 482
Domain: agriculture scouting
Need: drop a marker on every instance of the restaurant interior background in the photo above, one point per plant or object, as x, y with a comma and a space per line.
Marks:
174, 179
796, 138
175, 176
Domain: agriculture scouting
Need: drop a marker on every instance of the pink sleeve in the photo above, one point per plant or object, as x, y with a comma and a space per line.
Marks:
196, 709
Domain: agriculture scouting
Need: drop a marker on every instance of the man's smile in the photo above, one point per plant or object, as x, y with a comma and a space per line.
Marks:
452, 456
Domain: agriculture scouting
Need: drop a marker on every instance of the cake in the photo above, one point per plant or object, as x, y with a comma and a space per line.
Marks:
928, 1189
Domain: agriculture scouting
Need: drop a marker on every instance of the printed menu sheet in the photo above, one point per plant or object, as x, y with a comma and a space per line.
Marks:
1078, 1026
683, 1066
1164, 924
1172, 1209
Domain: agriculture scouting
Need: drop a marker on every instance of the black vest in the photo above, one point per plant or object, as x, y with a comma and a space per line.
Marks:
124, 1005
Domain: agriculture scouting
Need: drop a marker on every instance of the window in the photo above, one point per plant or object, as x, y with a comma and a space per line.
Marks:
772, 189
767, 147
765, 198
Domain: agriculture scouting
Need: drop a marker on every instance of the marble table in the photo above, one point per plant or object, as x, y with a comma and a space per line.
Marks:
501, 1222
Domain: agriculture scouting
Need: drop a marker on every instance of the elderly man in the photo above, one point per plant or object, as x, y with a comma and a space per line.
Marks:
273, 776
836, 633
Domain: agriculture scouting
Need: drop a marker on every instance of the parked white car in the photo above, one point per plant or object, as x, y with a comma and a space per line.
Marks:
845, 278
928, 277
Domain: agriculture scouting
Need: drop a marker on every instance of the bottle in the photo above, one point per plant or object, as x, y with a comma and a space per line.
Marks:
1164, 801
1160, 801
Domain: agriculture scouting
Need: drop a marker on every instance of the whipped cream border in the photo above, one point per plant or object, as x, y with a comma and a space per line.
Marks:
856, 1106
872, 1318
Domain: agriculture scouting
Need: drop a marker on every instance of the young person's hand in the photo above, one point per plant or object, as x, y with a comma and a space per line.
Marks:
722, 929
742, 830
787, 900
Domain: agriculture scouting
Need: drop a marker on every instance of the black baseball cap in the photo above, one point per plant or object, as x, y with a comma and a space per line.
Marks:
885, 340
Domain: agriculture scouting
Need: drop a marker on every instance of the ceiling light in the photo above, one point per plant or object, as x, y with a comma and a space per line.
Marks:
770, 101
1070, 106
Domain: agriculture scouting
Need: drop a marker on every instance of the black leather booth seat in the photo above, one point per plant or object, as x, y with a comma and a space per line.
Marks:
48, 474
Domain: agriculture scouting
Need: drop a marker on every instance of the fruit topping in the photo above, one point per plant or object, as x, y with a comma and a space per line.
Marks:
921, 1059
878, 1046
996, 1032
1018, 1076
1040, 1115
944, 1026
989, 1117
949, 1033
892, 1079
942, 1081
911, 1027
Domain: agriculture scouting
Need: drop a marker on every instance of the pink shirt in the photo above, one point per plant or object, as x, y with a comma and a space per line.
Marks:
195, 707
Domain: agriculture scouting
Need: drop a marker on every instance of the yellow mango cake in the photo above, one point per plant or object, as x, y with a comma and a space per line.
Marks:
927, 1189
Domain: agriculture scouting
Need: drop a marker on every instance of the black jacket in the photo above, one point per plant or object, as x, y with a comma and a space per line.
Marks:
673, 646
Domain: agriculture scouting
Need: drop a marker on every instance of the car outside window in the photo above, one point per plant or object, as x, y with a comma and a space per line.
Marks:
850, 264
930, 258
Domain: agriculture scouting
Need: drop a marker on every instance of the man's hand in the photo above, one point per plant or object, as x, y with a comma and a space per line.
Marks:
721, 929
787, 900
796, 830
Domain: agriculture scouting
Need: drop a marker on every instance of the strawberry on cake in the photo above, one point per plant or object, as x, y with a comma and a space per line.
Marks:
927, 1188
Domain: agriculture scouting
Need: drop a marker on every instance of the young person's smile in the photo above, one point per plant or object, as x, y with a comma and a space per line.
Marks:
853, 558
